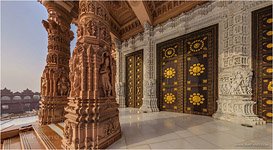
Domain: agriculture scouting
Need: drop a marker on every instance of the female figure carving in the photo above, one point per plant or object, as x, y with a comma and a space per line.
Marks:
105, 72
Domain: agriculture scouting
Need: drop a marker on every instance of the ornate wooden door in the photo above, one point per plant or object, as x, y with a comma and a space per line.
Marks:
262, 61
134, 79
200, 71
187, 72
170, 77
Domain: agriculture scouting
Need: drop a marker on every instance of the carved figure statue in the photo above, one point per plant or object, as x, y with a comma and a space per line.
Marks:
79, 31
150, 89
44, 83
77, 80
103, 33
63, 86
105, 72
91, 28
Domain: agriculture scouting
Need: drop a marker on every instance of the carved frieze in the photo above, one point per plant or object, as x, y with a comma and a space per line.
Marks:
235, 82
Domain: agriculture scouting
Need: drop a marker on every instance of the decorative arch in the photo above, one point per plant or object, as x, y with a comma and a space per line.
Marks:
5, 98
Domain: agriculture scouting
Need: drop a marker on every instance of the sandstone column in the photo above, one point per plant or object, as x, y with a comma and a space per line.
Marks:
55, 81
92, 119
149, 82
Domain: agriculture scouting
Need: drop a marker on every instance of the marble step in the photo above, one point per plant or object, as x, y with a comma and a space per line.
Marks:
29, 140
48, 137
12, 143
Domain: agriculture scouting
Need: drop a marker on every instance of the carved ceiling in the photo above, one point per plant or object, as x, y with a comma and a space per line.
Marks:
128, 17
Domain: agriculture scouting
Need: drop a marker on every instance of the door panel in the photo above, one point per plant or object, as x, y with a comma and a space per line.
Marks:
262, 61
187, 72
170, 81
134, 79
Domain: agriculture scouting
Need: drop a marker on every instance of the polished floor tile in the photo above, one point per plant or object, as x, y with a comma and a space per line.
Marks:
168, 130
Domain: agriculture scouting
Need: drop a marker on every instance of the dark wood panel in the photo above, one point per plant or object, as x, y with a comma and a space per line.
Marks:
262, 61
187, 72
134, 79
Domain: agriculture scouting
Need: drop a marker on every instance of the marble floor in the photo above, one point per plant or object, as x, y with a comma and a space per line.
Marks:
18, 121
167, 130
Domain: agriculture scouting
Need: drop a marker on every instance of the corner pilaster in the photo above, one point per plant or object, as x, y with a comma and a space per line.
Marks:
235, 102
149, 83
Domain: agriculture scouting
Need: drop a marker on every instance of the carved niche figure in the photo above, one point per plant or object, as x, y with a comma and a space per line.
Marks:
236, 84
103, 33
77, 80
63, 86
79, 31
44, 85
105, 72
91, 28
150, 87
75, 72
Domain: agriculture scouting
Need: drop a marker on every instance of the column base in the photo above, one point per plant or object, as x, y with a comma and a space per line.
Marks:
149, 105
121, 101
248, 120
51, 110
91, 124
237, 109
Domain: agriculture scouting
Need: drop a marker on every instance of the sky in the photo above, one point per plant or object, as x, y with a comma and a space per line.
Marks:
23, 44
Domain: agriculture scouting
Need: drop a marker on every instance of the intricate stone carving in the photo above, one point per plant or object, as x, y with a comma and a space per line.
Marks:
92, 119
149, 83
235, 82
63, 86
55, 85
234, 47
105, 72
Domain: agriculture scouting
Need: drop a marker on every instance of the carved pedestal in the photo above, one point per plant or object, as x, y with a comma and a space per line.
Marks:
92, 119
149, 100
237, 109
55, 84
52, 110
235, 103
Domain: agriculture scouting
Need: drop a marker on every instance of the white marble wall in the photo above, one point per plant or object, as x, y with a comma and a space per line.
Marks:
234, 50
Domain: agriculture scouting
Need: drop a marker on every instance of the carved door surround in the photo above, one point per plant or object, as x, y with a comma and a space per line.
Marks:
134, 79
187, 72
262, 61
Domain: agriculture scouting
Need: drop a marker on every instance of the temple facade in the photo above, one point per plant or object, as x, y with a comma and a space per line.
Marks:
16, 103
193, 57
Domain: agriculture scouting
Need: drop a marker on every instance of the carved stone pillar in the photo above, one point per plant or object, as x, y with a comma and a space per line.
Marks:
149, 82
119, 84
92, 119
55, 85
235, 92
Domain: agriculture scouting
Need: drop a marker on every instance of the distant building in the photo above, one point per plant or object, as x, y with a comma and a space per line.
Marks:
19, 102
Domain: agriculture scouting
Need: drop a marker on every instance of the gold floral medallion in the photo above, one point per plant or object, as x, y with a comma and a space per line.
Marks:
169, 73
197, 45
197, 69
170, 52
169, 98
196, 99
